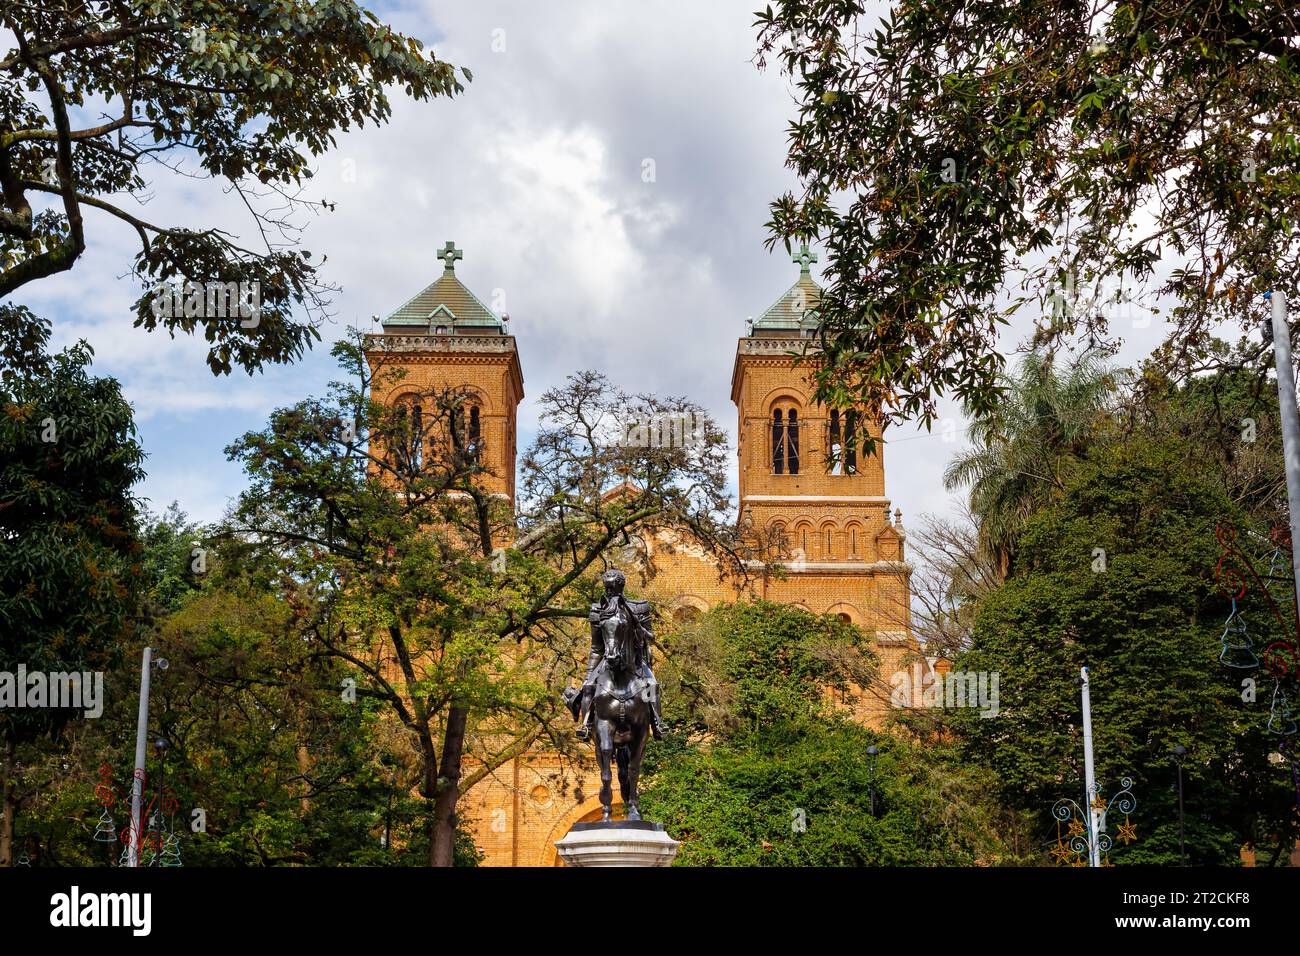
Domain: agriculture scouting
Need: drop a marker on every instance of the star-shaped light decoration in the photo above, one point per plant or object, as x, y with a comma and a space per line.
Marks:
1075, 828
1127, 832
1060, 853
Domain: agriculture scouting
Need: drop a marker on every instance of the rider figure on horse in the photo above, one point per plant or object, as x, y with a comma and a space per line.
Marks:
636, 613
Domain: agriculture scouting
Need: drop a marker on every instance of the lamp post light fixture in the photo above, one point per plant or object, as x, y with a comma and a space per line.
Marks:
1178, 753
871, 774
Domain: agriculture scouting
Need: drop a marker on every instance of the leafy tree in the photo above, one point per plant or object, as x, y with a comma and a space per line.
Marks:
950, 151
384, 538
69, 565
801, 795
774, 775
1023, 448
1230, 421
173, 557
746, 665
284, 772
101, 93
287, 772
1148, 623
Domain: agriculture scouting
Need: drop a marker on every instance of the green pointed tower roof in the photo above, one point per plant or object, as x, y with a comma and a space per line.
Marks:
444, 302
796, 309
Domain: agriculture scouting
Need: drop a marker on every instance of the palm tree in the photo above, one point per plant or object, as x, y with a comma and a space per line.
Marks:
1024, 448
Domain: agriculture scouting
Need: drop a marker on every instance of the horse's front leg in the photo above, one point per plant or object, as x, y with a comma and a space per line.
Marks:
633, 796
604, 757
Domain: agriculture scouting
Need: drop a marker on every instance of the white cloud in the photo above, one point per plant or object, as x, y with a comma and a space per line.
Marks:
536, 172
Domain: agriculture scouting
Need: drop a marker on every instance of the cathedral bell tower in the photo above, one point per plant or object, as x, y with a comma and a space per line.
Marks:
446, 338
804, 483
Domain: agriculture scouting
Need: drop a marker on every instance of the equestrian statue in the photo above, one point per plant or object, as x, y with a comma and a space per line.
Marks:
618, 702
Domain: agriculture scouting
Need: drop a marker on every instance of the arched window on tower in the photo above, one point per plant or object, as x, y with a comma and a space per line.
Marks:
785, 441
466, 430
779, 540
407, 440
417, 438
778, 442
851, 442
834, 446
792, 442
842, 441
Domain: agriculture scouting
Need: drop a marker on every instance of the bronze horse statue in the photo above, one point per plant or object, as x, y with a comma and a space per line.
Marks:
619, 697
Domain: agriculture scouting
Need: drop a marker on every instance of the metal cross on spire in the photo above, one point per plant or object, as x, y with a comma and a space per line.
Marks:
804, 258
449, 254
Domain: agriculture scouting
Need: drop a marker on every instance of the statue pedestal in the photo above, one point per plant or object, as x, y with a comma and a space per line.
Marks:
617, 843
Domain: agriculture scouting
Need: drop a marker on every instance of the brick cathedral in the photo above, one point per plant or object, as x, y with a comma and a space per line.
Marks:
846, 548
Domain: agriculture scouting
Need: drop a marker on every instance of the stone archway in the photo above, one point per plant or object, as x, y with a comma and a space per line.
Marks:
687, 609
846, 612
586, 812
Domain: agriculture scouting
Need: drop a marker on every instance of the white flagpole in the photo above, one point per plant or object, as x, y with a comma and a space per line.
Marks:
1090, 776
1290, 421
137, 778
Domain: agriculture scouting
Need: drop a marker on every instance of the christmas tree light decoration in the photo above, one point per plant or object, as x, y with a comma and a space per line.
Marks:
105, 828
158, 844
1280, 720
171, 851
1238, 647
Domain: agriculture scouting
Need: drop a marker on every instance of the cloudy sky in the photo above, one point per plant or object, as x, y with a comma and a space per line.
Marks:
536, 172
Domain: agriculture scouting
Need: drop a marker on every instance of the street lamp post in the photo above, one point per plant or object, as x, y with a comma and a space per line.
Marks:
1177, 754
1088, 822
1279, 330
147, 666
1090, 778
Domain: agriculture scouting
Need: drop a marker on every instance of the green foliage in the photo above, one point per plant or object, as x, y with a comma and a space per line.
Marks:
1230, 418
168, 559
1148, 627
947, 153
800, 795
69, 566
246, 93
755, 663
286, 772
775, 776
1023, 449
